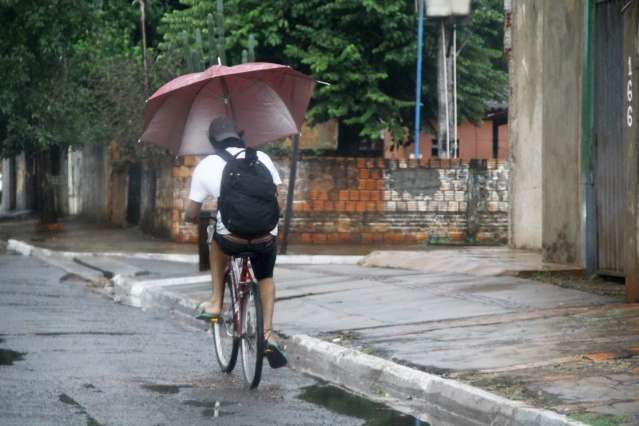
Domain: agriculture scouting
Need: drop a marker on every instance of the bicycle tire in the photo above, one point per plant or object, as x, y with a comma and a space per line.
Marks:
252, 338
225, 342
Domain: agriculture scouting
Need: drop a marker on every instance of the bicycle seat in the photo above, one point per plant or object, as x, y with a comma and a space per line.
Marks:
244, 254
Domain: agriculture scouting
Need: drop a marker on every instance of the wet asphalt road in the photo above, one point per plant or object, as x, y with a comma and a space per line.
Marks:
69, 356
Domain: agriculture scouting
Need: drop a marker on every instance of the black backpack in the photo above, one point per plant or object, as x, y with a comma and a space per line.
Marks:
248, 197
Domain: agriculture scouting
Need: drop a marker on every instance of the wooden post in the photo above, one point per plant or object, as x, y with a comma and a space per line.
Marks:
291, 193
202, 244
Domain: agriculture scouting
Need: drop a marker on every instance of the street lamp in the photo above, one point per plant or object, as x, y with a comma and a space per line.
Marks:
446, 11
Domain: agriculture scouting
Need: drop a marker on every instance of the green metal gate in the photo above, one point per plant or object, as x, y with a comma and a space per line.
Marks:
608, 136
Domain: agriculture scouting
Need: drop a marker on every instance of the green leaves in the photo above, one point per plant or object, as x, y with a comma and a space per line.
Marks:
75, 67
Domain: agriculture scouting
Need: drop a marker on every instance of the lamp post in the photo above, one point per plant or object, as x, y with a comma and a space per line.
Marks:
447, 12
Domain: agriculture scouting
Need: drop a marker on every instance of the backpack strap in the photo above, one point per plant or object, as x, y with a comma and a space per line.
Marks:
250, 154
224, 154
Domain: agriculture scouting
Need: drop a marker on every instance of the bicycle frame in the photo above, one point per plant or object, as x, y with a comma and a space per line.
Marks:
241, 288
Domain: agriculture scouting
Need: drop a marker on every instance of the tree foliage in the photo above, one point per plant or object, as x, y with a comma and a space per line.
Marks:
43, 99
76, 75
365, 49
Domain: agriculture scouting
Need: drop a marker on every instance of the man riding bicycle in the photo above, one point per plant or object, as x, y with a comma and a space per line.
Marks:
207, 182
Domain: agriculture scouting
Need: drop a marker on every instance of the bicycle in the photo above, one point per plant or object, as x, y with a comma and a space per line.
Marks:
240, 327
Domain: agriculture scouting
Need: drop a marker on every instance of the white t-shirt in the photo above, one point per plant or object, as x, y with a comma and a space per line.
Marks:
207, 180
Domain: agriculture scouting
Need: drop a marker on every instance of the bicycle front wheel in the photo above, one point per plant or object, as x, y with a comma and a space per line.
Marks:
252, 340
226, 344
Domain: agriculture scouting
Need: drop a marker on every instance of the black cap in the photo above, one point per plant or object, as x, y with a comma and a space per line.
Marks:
222, 128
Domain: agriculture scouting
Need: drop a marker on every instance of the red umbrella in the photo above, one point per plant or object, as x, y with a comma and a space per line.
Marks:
266, 101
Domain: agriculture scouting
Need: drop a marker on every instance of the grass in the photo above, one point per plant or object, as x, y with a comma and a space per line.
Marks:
600, 419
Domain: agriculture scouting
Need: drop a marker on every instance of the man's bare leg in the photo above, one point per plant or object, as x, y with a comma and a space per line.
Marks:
267, 296
219, 260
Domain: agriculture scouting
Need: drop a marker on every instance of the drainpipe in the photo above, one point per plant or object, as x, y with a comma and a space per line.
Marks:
588, 196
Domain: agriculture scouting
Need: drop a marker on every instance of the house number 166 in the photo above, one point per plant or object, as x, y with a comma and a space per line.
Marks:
629, 115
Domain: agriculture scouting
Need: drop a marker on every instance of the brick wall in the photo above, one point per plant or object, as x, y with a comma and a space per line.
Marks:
391, 201
374, 200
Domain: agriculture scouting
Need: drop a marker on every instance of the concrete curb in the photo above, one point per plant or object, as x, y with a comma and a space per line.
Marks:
286, 259
431, 398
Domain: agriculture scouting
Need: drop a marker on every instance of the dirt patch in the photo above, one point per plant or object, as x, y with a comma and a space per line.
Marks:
577, 280
560, 387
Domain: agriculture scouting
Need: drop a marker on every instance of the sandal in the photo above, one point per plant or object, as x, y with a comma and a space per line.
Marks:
203, 315
274, 352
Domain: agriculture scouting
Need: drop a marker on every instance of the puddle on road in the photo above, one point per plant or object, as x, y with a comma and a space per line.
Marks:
345, 403
165, 389
82, 333
66, 399
8, 357
211, 408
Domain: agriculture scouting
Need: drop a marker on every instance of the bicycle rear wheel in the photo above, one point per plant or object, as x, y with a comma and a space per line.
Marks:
226, 344
252, 340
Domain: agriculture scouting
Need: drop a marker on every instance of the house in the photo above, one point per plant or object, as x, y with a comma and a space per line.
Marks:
573, 133
488, 140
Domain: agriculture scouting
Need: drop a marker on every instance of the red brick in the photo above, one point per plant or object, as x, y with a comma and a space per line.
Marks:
364, 174
364, 195
376, 174
323, 196
371, 184
318, 205
343, 195
362, 184
371, 206
319, 238
181, 171
344, 236
332, 238
367, 237
307, 238
381, 206
329, 206
354, 195
379, 185
351, 206
456, 236
601, 356
190, 161
361, 163
376, 195
340, 206
361, 206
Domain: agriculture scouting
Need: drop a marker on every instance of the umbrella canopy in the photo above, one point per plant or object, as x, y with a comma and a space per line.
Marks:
266, 101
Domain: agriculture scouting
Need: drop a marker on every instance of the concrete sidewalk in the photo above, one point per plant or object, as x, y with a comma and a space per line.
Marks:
433, 333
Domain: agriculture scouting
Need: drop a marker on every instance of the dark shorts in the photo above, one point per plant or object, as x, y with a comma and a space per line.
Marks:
262, 257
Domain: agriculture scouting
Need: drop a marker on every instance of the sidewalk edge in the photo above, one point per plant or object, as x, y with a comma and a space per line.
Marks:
286, 259
426, 396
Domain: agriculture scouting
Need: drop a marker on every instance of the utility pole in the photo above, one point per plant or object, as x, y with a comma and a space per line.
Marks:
144, 59
444, 93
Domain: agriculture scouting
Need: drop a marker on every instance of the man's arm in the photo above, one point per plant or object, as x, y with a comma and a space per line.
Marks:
192, 211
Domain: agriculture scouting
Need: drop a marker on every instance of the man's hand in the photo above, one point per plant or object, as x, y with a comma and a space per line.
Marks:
192, 211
